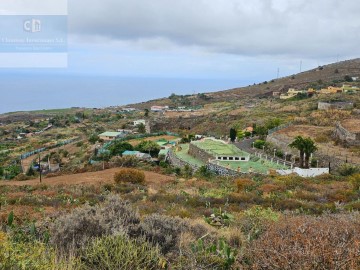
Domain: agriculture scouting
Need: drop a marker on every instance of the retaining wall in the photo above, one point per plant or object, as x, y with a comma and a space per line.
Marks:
199, 153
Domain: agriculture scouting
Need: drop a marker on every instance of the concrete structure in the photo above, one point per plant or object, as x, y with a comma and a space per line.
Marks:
331, 90
108, 136
210, 149
125, 131
348, 132
140, 121
305, 172
335, 106
128, 109
137, 154
159, 108
276, 94
349, 88
292, 93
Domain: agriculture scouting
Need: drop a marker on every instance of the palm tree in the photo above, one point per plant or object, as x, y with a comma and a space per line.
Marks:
306, 146
309, 148
298, 143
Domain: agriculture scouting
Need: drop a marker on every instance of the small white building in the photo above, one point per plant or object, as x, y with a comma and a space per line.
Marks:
138, 122
159, 108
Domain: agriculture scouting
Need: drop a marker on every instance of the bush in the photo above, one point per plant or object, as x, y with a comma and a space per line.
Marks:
30, 255
355, 182
305, 242
76, 229
164, 231
255, 219
129, 176
126, 161
348, 169
117, 252
259, 144
244, 184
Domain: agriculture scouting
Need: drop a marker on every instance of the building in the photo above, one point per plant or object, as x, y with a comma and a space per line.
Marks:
125, 131
109, 135
292, 93
137, 154
335, 106
128, 109
331, 90
159, 108
276, 94
349, 88
212, 149
138, 122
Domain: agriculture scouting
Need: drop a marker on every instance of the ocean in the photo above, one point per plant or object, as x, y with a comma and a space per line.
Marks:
24, 92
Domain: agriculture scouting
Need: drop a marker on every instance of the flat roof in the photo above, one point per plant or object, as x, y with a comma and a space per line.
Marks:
219, 148
110, 134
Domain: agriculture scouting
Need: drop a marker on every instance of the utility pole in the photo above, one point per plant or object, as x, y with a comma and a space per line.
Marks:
278, 73
40, 168
300, 65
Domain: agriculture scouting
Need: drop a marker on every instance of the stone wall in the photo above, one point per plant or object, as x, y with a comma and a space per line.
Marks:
199, 153
177, 162
335, 105
346, 136
221, 170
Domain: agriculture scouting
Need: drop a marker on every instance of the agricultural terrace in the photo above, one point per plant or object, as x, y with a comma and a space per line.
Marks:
259, 166
218, 148
182, 153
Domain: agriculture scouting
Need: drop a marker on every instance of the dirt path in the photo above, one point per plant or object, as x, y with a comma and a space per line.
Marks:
90, 178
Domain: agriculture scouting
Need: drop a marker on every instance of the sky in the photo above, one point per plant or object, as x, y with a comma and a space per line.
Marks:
199, 45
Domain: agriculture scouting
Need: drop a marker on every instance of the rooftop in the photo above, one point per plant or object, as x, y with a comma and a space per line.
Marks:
111, 134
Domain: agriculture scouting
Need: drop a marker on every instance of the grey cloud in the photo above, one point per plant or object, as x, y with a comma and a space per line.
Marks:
319, 28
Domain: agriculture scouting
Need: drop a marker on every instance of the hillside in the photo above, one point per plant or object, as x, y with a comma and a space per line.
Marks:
317, 77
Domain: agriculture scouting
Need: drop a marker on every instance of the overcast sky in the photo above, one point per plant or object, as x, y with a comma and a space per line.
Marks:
204, 38
213, 37
208, 39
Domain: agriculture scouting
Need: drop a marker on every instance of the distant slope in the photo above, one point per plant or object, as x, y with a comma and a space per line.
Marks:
324, 75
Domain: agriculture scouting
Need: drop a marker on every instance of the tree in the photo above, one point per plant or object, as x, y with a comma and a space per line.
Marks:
149, 147
298, 143
347, 78
93, 138
146, 112
118, 147
309, 148
141, 128
306, 147
232, 134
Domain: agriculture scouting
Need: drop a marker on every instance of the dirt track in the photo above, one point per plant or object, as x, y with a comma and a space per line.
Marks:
90, 178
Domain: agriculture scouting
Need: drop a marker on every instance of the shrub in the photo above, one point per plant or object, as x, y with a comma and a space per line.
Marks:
129, 176
255, 219
114, 216
164, 231
355, 181
259, 144
30, 255
244, 184
348, 169
117, 252
305, 242
126, 161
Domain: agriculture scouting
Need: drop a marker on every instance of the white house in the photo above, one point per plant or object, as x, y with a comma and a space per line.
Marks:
159, 108
138, 122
